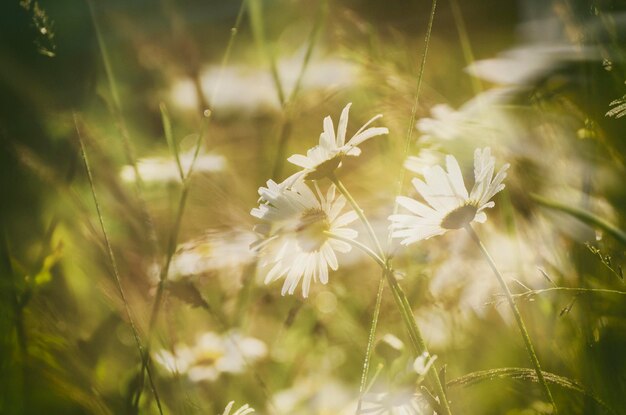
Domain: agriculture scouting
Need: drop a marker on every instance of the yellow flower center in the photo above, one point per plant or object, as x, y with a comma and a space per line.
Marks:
207, 357
310, 230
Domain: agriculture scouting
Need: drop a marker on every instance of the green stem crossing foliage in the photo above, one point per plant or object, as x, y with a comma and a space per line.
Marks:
415, 335
184, 176
287, 105
116, 274
517, 315
401, 178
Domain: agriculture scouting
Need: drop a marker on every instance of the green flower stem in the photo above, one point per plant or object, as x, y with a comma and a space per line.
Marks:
360, 213
417, 340
518, 317
113, 262
370, 345
360, 246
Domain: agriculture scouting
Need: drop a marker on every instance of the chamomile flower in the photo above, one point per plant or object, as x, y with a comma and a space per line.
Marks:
321, 160
297, 236
448, 203
244, 410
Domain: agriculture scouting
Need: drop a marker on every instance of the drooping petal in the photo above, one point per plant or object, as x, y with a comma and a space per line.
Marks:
329, 256
301, 161
366, 135
323, 269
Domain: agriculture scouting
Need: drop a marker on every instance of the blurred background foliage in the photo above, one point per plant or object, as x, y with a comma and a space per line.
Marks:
250, 84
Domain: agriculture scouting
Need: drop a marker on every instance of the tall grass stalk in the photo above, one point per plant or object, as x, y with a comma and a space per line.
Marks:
518, 317
182, 202
400, 185
120, 120
169, 254
287, 106
466, 46
417, 340
575, 290
257, 22
113, 262
370, 343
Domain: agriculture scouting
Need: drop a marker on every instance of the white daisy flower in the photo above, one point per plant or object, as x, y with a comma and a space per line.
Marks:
448, 204
244, 410
297, 237
324, 158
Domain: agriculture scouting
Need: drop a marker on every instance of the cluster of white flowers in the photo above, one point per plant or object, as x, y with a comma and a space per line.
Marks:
211, 355
302, 229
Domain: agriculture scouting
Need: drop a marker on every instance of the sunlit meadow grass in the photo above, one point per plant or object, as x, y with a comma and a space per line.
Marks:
312, 207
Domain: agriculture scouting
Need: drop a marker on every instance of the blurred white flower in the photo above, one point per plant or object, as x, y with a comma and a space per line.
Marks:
425, 159
250, 90
477, 117
177, 362
165, 169
244, 410
521, 66
212, 355
449, 205
316, 396
403, 402
297, 237
446, 123
215, 251
321, 160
